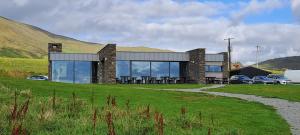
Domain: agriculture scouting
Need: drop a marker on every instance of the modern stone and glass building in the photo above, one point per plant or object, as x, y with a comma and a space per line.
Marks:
110, 66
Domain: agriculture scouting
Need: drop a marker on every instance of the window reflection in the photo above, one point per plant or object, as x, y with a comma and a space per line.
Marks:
122, 68
140, 69
159, 69
62, 71
71, 72
82, 72
213, 68
174, 69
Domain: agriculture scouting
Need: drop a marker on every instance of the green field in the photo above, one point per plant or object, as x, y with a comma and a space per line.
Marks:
219, 114
22, 67
288, 92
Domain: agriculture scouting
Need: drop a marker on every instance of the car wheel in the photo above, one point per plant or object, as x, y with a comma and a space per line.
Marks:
278, 82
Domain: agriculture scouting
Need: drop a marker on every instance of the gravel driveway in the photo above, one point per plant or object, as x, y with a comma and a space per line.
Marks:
290, 111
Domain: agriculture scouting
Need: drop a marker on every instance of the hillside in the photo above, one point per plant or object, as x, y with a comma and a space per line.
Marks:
27, 41
282, 63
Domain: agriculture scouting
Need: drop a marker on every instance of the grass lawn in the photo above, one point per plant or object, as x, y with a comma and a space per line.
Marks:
220, 114
22, 67
288, 92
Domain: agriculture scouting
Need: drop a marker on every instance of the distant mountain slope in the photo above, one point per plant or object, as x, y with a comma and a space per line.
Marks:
282, 63
23, 40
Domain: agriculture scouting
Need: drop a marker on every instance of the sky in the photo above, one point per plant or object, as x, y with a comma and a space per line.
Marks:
177, 25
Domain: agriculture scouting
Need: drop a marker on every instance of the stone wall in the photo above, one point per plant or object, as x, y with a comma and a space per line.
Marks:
107, 65
196, 66
225, 65
52, 47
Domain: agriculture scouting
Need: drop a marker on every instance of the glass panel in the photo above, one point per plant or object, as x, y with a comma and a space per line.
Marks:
159, 69
213, 68
62, 71
206, 68
174, 69
122, 68
82, 72
140, 69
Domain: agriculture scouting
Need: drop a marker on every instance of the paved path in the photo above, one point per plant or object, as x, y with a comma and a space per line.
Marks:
290, 111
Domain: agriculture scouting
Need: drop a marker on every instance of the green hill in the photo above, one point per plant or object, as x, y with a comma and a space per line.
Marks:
282, 63
21, 40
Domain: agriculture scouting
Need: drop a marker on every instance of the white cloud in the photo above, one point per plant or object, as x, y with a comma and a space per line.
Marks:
296, 9
255, 7
20, 2
165, 24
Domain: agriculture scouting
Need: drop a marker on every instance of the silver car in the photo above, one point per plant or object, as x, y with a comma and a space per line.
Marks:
38, 77
262, 80
279, 79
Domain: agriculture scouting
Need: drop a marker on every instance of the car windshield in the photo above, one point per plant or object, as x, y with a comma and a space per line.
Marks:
282, 77
245, 78
263, 78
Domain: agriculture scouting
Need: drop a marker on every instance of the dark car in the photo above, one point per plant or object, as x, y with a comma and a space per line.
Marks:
240, 79
262, 80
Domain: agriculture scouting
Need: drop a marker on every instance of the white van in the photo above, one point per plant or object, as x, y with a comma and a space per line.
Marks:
293, 75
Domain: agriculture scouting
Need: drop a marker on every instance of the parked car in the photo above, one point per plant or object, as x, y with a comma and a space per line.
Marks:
279, 79
240, 79
38, 77
293, 75
262, 80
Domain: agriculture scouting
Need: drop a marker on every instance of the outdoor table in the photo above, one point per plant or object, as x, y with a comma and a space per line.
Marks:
145, 79
133, 80
125, 79
153, 80
165, 79
173, 80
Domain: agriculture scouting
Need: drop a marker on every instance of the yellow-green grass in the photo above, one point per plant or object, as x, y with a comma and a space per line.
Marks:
228, 114
22, 40
22, 67
288, 92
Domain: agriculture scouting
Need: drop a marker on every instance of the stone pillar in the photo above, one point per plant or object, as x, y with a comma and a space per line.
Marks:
225, 65
196, 66
107, 65
52, 48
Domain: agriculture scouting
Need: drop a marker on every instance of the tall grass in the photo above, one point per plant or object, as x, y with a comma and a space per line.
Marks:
36, 115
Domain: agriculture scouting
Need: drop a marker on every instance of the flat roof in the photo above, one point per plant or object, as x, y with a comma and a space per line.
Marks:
138, 56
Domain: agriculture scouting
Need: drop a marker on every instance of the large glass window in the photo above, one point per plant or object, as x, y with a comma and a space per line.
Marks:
62, 71
82, 72
71, 71
213, 68
174, 69
159, 69
140, 69
122, 69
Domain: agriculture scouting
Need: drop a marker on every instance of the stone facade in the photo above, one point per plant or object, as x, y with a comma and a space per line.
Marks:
196, 66
225, 65
56, 48
192, 69
107, 65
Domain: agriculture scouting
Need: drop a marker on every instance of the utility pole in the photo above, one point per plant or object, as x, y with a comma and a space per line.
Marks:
229, 53
257, 54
